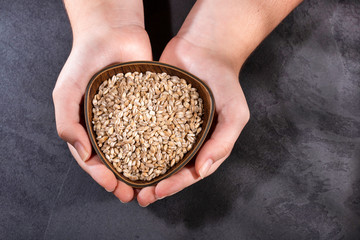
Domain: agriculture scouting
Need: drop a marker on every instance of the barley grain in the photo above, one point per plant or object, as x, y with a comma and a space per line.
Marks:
145, 123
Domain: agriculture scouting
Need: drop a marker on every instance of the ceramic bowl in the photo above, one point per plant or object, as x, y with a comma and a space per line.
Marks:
157, 67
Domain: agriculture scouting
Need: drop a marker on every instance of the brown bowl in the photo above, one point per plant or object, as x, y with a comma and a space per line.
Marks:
157, 67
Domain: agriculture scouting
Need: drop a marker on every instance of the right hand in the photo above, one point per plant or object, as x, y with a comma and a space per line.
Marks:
90, 53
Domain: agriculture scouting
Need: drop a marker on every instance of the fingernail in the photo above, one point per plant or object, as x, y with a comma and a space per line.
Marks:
121, 201
205, 168
144, 206
108, 190
161, 197
81, 151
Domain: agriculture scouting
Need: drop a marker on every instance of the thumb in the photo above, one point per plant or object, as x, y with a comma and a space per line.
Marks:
67, 114
231, 120
67, 97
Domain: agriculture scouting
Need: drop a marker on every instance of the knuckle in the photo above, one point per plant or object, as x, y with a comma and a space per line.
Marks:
243, 115
246, 115
55, 94
61, 131
226, 150
223, 151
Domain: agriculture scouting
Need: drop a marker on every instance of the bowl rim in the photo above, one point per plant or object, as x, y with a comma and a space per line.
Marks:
183, 163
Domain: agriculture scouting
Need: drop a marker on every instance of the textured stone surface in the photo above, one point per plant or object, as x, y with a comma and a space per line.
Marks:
293, 174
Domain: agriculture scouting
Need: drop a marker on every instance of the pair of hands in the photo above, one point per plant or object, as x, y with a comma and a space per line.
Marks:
95, 50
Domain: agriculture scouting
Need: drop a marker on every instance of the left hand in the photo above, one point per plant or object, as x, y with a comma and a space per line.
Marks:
218, 71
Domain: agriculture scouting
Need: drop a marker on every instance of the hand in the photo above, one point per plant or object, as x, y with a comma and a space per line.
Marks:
213, 43
231, 109
90, 53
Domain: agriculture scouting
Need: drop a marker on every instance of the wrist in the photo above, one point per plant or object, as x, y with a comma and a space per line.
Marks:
233, 60
233, 28
93, 17
104, 34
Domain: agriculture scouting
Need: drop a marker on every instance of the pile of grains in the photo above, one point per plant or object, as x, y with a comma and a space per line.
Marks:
145, 123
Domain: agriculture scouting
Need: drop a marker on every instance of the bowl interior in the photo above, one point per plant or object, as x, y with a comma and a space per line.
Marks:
143, 66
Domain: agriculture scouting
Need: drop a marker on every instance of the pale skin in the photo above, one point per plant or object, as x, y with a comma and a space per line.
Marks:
213, 43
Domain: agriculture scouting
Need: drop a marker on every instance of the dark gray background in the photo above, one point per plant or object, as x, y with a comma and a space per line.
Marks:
293, 174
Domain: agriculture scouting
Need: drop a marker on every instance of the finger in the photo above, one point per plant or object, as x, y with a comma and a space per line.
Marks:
136, 192
146, 196
232, 118
177, 182
97, 170
124, 192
